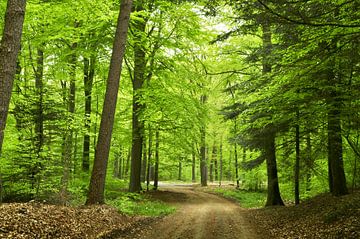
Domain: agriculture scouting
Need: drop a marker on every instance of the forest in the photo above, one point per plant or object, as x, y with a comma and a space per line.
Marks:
120, 102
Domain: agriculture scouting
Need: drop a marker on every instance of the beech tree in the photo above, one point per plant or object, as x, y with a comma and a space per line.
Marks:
9, 48
97, 181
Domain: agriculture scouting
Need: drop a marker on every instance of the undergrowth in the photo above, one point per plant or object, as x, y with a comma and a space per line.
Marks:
247, 199
116, 195
138, 204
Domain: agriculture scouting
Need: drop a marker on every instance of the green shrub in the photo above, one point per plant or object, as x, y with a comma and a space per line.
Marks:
137, 204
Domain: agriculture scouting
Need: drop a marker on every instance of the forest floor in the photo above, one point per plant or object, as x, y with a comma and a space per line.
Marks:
200, 215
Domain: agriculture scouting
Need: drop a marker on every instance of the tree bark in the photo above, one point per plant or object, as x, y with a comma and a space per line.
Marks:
156, 171
68, 137
148, 166
211, 169
180, 169
236, 158
297, 162
203, 163
193, 166
273, 191
97, 181
137, 123
9, 48
39, 86
89, 73
309, 162
337, 180
144, 163
221, 162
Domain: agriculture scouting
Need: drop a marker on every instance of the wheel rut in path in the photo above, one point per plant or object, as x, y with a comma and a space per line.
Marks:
199, 215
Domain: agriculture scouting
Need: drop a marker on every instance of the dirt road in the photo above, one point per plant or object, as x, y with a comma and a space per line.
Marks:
200, 215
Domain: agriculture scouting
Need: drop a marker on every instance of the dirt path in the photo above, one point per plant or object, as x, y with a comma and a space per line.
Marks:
200, 215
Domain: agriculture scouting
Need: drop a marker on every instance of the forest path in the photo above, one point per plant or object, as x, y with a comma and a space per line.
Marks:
200, 215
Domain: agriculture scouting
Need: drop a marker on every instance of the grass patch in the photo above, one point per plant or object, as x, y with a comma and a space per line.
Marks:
137, 204
247, 199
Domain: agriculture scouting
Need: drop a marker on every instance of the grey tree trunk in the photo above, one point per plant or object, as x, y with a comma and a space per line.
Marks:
148, 166
236, 158
69, 133
156, 170
9, 48
89, 73
97, 181
203, 163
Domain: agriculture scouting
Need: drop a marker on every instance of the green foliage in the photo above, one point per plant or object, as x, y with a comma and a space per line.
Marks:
247, 199
137, 204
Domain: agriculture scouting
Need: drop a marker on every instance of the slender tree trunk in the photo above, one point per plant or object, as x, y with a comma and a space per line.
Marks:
89, 73
236, 158
69, 134
309, 162
148, 166
9, 48
297, 162
116, 167
211, 169
193, 167
216, 172
156, 171
39, 118
138, 124
236, 166
221, 162
144, 163
180, 169
127, 166
97, 181
203, 163
229, 172
273, 191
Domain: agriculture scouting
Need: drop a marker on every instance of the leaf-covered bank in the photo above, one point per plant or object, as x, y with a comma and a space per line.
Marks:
323, 216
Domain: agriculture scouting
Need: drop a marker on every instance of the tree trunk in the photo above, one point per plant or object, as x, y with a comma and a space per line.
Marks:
180, 169
156, 171
221, 162
116, 167
309, 162
337, 180
148, 166
39, 118
127, 166
273, 191
236, 158
216, 172
68, 137
9, 48
89, 73
203, 163
193, 167
211, 169
97, 181
297, 162
137, 123
229, 172
144, 163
